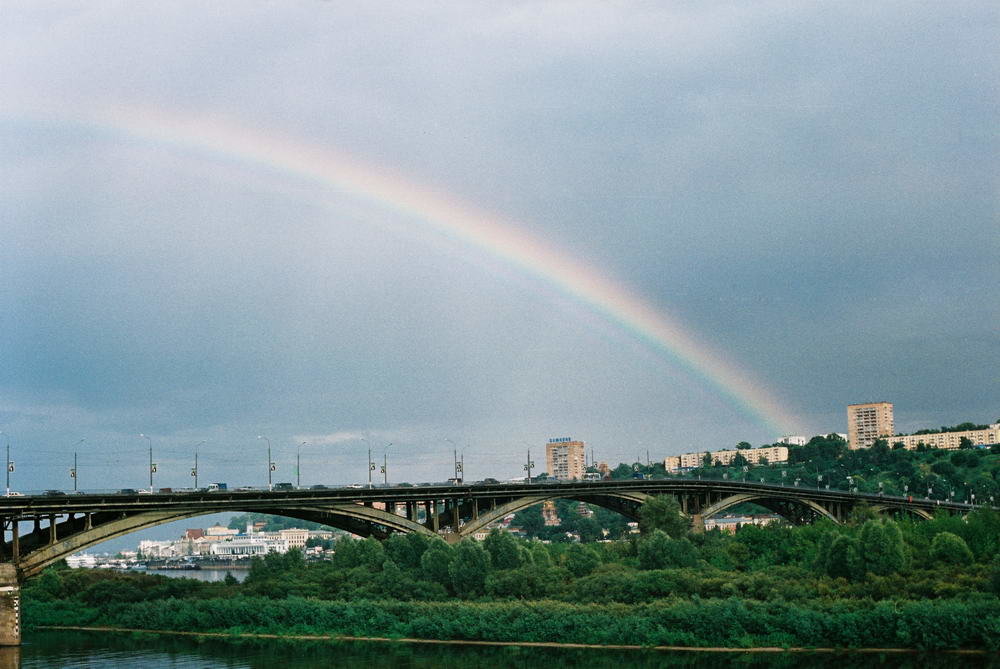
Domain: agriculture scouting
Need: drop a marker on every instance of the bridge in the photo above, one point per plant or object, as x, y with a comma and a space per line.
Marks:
39, 530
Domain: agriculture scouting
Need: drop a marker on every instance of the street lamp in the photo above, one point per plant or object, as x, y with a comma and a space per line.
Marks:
152, 466
298, 465
10, 465
270, 463
528, 465
72, 472
385, 465
194, 471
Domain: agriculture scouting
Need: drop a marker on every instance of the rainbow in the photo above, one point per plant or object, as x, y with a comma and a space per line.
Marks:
501, 239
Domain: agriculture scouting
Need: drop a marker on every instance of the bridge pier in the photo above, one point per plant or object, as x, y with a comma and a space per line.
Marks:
697, 523
10, 606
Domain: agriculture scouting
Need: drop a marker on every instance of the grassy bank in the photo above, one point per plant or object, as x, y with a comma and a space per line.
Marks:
729, 623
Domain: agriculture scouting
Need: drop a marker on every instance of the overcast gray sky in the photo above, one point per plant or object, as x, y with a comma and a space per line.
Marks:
809, 188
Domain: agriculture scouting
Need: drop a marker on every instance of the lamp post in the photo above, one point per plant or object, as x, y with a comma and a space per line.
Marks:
270, 463
528, 465
298, 465
194, 471
385, 465
10, 466
73, 472
152, 467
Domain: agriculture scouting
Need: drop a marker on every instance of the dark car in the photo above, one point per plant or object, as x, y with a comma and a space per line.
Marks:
53, 492
283, 486
128, 491
318, 486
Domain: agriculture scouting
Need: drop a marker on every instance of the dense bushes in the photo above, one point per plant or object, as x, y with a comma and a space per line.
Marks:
717, 622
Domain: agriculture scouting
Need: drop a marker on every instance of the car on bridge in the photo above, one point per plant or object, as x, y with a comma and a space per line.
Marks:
128, 491
283, 486
51, 493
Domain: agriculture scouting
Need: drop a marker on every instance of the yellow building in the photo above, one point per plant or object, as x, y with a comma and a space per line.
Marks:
868, 422
755, 456
949, 440
564, 458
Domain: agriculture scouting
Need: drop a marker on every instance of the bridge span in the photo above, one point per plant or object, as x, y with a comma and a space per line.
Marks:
39, 530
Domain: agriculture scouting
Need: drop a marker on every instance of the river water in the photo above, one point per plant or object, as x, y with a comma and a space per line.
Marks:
102, 650
209, 575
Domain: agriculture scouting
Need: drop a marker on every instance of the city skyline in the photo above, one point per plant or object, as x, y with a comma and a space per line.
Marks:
667, 230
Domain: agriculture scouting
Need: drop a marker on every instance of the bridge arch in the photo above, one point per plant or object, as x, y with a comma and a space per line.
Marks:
895, 509
76, 535
626, 503
792, 509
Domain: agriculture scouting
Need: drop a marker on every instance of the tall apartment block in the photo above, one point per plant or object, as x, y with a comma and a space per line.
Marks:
564, 458
868, 422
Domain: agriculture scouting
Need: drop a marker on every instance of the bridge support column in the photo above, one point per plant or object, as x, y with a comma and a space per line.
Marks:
10, 606
697, 523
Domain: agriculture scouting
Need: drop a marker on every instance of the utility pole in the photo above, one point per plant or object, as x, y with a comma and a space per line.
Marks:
152, 467
270, 463
10, 466
298, 465
385, 468
72, 472
371, 467
194, 472
528, 465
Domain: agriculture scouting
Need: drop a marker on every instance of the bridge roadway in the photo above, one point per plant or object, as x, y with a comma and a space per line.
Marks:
64, 524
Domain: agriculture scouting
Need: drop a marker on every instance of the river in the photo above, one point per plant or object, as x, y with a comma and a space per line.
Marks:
103, 650
209, 575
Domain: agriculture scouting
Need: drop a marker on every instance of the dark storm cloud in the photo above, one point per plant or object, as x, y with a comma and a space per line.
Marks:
809, 186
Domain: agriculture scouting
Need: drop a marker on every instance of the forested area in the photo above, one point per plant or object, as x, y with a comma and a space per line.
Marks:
827, 461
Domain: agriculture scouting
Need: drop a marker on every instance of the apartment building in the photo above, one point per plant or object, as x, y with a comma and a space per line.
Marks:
949, 440
725, 457
564, 458
868, 422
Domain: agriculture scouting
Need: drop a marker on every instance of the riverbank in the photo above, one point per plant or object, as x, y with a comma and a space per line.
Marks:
507, 644
670, 623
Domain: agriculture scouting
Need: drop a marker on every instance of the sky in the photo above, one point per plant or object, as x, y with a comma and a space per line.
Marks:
421, 228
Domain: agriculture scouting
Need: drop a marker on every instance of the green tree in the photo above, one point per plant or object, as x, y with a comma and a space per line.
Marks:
662, 512
540, 555
581, 560
881, 549
659, 551
743, 445
589, 530
399, 550
965, 443
843, 557
948, 548
503, 550
530, 520
469, 568
435, 563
